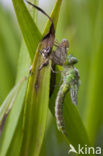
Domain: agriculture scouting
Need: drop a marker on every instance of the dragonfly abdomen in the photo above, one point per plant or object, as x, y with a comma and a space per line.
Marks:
59, 107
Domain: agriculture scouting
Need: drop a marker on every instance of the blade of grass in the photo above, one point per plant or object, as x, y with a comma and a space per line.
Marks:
24, 62
23, 68
54, 15
37, 102
76, 132
9, 128
9, 101
54, 143
13, 142
7, 147
28, 28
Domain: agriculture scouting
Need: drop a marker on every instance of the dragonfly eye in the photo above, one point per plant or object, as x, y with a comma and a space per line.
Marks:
71, 60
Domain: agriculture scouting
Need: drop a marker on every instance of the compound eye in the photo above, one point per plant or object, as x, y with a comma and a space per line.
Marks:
73, 60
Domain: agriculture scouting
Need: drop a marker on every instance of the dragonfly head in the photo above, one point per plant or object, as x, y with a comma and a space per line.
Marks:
71, 60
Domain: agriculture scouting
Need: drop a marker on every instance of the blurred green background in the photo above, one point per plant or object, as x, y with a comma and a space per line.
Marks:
9, 50
81, 22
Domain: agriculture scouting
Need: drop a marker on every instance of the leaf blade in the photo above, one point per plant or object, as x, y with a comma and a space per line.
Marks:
37, 102
28, 28
10, 101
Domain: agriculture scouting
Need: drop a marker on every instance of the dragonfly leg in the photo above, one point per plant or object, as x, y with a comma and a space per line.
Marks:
44, 64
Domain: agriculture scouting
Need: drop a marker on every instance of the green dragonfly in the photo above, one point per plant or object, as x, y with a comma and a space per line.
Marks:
71, 81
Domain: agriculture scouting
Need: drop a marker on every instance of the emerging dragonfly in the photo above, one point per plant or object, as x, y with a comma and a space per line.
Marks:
71, 81
70, 75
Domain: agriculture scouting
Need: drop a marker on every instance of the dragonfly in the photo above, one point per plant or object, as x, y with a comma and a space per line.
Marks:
70, 75
71, 81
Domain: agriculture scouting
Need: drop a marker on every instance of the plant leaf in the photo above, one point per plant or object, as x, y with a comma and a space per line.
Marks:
54, 16
13, 143
36, 107
23, 67
28, 28
76, 132
11, 100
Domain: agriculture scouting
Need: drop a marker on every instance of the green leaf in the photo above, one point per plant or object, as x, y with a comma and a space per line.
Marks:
9, 101
37, 101
54, 144
9, 128
23, 67
76, 132
24, 62
54, 15
28, 28
9, 146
